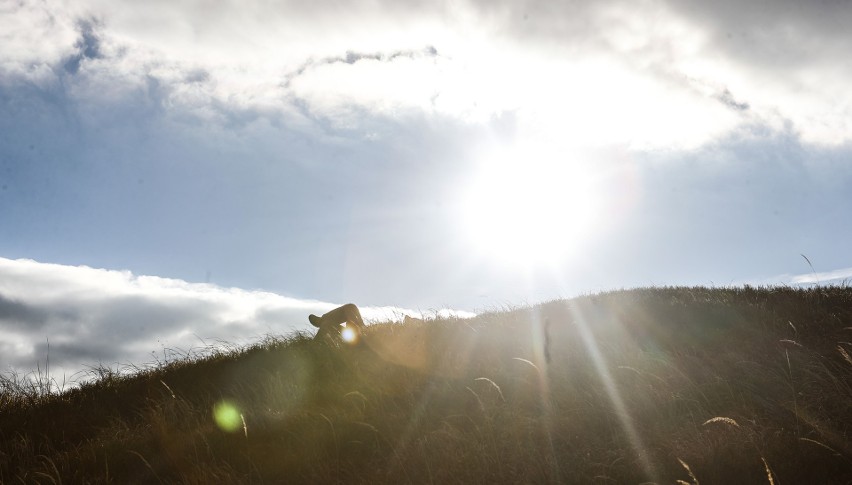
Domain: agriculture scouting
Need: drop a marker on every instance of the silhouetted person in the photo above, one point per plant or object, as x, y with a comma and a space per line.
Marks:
330, 323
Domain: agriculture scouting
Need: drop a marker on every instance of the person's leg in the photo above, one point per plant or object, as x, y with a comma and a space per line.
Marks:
329, 323
343, 314
353, 315
322, 333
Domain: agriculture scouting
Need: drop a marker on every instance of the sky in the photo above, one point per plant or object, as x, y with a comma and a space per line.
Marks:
176, 171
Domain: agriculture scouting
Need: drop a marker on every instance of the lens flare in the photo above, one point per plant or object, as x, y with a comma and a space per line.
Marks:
227, 416
349, 335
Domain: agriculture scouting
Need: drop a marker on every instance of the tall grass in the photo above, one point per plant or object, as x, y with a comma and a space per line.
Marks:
690, 385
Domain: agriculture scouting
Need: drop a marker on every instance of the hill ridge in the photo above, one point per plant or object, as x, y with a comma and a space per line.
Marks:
721, 385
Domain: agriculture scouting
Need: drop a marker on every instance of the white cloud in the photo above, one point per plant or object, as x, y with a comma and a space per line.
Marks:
648, 75
822, 277
94, 315
834, 276
33, 35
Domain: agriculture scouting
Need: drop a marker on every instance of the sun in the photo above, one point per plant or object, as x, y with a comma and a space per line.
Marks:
524, 208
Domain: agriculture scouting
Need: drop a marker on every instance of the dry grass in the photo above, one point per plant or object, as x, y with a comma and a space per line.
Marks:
722, 419
660, 385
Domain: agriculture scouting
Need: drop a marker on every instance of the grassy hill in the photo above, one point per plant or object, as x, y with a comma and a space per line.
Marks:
686, 385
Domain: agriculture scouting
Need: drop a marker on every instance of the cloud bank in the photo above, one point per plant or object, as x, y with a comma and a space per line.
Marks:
97, 316
655, 74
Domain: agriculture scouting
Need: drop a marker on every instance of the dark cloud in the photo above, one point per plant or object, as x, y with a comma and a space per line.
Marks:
28, 318
88, 47
85, 328
773, 33
15, 314
124, 329
79, 354
728, 100
352, 57
144, 317
93, 316
770, 32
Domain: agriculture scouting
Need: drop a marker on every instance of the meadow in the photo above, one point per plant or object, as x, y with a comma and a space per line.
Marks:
659, 385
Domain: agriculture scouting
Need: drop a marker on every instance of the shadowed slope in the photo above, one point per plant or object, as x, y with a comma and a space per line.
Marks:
726, 385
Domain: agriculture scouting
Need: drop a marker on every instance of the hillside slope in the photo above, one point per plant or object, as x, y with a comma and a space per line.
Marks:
735, 385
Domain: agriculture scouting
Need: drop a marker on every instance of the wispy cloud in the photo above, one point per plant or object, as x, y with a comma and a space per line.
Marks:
822, 277
92, 316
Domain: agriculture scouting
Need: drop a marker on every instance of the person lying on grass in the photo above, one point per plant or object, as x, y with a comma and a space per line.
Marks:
331, 324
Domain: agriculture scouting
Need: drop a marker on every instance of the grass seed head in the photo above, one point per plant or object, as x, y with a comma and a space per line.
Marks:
722, 419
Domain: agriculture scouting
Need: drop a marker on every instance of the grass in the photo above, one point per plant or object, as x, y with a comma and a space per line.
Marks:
665, 385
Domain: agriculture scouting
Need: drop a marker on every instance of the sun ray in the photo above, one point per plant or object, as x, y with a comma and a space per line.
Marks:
622, 412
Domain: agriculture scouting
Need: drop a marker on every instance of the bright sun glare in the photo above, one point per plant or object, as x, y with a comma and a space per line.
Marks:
348, 335
528, 209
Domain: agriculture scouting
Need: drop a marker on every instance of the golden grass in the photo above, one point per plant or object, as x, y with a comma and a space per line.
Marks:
689, 471
768, 471
844, 354
721, 419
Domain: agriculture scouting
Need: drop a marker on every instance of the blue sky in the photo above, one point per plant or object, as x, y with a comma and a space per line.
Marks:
460, 155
